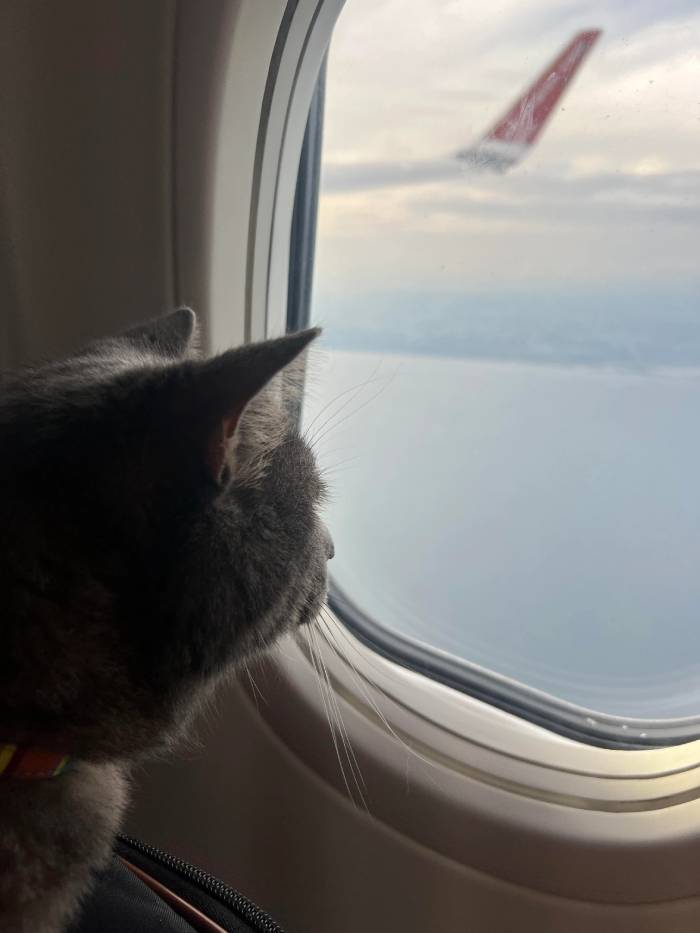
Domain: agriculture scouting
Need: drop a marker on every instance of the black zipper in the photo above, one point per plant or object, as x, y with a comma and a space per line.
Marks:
245, 909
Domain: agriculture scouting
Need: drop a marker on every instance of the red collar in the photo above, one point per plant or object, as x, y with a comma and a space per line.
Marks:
25, 761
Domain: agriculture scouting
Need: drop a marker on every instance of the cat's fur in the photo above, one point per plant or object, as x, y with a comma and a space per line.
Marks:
158, 524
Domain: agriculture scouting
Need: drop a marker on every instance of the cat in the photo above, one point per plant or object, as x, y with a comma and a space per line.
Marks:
159, 524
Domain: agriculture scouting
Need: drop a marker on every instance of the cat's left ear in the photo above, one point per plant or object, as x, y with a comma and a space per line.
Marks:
228, 382
171, 335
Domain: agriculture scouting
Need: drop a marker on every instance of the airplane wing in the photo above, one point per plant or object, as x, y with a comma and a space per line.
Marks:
502, 146
510, 138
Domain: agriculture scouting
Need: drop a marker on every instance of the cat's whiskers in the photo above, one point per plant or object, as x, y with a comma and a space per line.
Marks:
314, 437
330, 425
331, 467
328, 627
331, 630
324, 692
355, 388
331, 725
253, 686
349, 750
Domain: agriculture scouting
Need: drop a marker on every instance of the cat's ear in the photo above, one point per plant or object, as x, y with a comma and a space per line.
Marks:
228, 382
171, 335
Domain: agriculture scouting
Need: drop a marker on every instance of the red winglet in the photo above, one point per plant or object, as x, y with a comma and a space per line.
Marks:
525, 120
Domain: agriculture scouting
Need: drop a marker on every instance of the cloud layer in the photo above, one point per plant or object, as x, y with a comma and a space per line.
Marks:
611, 193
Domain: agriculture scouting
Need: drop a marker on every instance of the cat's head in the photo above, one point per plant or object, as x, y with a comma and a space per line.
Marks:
159, 524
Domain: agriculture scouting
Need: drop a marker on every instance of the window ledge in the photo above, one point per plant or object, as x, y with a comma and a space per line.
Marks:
482, 787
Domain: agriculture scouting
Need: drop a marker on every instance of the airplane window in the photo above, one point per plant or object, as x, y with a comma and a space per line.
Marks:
509, 403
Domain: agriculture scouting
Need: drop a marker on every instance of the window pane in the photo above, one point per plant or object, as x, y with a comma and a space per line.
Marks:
513, 298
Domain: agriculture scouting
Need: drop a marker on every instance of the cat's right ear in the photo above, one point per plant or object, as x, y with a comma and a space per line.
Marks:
227, 383
171, 335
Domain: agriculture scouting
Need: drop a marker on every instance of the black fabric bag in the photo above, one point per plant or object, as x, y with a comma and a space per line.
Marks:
145, 890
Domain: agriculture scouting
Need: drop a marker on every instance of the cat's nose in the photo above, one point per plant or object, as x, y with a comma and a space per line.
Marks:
330, 547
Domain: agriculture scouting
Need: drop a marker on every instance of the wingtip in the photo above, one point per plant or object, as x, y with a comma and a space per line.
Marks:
592, 35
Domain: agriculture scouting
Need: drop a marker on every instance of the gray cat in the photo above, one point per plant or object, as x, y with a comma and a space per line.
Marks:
158, 525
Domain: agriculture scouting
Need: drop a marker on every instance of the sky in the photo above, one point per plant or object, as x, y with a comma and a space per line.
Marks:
609, 196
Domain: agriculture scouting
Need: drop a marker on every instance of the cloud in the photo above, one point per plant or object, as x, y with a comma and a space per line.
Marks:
540, 225
575, 325
631, 198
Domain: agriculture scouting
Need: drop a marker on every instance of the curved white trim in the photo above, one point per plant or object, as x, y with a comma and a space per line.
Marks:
307, 33
437, 712
484, 788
